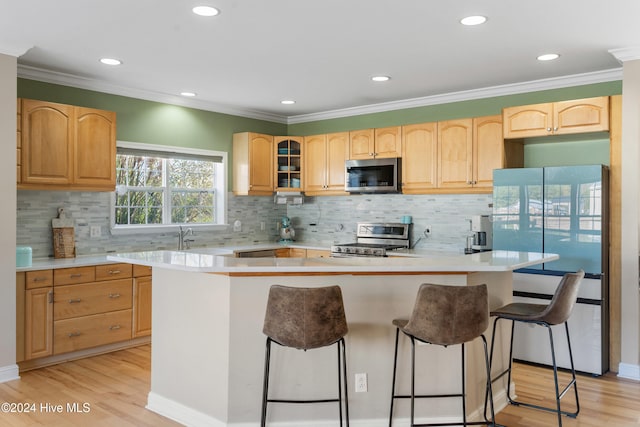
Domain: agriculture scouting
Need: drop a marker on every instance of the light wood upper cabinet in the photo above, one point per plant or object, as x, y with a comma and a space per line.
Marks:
455, 148
252, 164
488, 149
375, 143
47, 143
324, 170
288, 163
419, 157
581, 115
94, 148
66, 147
557, 118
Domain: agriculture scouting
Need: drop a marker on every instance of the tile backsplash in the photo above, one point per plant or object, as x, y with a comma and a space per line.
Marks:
320, 221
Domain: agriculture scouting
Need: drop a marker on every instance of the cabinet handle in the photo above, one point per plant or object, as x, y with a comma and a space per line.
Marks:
548, 129
50, 295
114, 271
74, 334
114, 295
114, 327
75, 276
555, 129
39, 279
74, 301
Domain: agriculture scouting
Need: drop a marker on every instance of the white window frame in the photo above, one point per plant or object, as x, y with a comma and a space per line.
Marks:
220, 193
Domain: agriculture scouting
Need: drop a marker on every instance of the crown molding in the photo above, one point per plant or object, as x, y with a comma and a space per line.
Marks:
489, 92
65, 79
16, 50
626, 53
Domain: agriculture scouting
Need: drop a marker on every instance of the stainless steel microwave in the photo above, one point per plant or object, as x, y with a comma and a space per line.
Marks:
372, 175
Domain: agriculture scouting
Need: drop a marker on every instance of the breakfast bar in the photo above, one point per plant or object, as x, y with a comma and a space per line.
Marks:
208, 347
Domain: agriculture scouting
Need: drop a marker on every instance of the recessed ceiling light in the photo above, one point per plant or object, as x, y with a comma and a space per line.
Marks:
287, 102
548, 57
380, 78
110, 61
188, 93
205, 11
473, 20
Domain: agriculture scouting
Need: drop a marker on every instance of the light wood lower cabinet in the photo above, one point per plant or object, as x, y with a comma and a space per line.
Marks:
38, 325
318, 253
69, 309
90, 331
141, 306
91, 298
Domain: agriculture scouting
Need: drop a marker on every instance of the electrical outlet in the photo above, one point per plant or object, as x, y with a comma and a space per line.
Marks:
94, 231
361, 383
261, 225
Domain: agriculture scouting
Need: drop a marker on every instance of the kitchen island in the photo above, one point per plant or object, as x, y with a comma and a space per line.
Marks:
208, 348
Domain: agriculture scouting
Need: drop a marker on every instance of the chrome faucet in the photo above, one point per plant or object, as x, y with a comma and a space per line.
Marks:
181, 238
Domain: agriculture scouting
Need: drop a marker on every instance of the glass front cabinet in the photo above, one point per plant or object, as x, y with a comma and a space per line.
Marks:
288, 162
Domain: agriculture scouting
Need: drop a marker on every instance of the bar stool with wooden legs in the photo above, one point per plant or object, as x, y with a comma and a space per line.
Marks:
445, 315
305, 319
555, 313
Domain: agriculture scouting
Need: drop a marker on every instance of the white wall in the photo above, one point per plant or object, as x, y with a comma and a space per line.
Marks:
8, 95
630, 309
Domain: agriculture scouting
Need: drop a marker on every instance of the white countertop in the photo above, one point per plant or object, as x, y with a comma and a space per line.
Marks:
219, 261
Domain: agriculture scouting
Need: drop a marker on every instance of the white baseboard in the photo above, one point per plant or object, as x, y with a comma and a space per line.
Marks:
180, 413
192, 418
626, 370
9, 373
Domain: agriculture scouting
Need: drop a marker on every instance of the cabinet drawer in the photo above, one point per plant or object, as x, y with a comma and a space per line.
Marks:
69, 276
91, 331
141, 270
38, 279
113, 271
91, 298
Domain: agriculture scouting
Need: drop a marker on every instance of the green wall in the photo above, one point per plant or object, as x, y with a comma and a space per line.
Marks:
454, 110
153, 122
165, 124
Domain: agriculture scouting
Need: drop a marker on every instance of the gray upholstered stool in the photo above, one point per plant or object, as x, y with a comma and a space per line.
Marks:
306, 318
555, 313
445, 315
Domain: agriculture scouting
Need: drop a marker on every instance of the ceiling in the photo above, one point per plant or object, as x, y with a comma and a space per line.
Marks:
321, 54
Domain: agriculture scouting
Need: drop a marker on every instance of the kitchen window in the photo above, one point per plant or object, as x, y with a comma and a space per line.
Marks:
158, 186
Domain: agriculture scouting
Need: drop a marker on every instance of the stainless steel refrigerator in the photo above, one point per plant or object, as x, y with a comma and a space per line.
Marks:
561, 210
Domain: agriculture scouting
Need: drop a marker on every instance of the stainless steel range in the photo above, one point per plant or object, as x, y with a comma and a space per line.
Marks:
375, 239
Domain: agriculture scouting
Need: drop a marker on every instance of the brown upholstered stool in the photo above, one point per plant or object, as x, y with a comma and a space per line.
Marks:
445, 315
306, 318
555, 313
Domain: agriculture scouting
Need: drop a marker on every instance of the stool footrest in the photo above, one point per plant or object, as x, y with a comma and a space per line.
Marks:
303, 401
418, 396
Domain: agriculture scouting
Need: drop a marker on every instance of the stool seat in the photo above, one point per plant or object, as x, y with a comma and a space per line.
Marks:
521, 311
306, 319
445, 315
556, 312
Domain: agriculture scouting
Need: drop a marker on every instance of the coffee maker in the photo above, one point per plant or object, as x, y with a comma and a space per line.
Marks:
481, 238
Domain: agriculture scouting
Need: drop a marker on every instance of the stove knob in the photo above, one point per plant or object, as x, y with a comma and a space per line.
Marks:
337, 249
350, 250
366, 251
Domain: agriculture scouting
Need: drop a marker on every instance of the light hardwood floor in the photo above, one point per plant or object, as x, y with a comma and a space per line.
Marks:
115, 387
